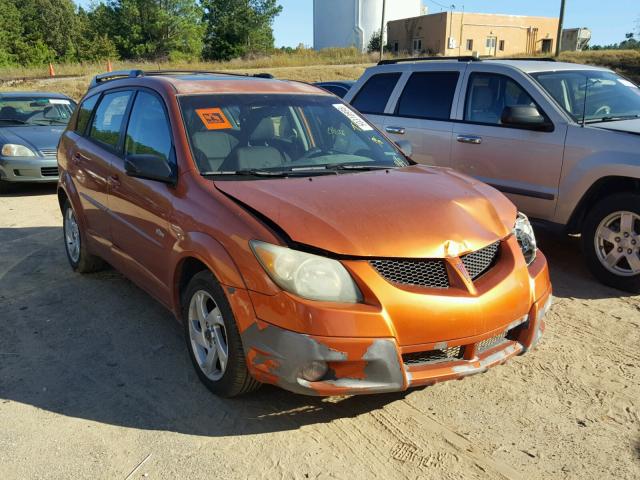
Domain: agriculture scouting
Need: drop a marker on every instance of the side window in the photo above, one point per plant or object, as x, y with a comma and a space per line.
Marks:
84, 114
374, 95
488, 94
148, 132
428, 95
107, 121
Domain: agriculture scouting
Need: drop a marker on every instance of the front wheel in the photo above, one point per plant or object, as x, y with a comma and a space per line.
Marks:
79, 258
611, 241
213, 339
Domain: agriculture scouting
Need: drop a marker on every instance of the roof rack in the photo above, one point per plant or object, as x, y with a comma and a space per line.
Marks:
467, 58
119, 74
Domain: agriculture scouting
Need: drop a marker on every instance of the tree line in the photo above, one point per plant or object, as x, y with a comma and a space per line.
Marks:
35, 32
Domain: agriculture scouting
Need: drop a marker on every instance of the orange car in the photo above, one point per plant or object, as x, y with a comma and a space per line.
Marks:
296, 243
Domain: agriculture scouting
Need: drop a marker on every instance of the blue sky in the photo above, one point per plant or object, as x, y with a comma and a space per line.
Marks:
608, 20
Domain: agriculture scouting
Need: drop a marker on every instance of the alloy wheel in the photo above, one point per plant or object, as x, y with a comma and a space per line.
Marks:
208, 335
72, 235
617, 242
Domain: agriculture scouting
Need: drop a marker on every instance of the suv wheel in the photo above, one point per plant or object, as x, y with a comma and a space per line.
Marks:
611, 241
81, 260
213, 339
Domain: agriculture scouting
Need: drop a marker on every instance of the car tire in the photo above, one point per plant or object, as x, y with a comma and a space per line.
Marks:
79, 258
611, 241
211, 333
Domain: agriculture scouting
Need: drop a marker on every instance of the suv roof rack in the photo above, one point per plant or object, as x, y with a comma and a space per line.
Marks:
466, 58
119, 74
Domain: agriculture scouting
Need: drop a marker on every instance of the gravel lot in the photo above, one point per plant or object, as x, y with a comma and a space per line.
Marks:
95, 379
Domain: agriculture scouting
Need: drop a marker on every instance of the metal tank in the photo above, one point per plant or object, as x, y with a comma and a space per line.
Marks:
347, 23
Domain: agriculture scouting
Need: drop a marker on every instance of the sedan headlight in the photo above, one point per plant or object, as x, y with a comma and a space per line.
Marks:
13, 150
526, 238
309, 276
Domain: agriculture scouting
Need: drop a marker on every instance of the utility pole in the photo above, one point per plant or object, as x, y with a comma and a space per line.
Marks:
382, 29
559, 39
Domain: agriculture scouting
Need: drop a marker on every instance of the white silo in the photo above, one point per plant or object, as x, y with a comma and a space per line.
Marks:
346, 23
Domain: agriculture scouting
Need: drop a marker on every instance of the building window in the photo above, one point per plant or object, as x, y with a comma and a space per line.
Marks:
396, 47
470, 44
501, 45
417, 45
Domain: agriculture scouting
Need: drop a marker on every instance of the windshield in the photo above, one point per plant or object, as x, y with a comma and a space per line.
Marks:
270, 135
608, 96
35, 111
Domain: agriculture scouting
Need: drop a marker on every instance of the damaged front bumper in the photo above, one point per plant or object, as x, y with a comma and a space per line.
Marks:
376, 365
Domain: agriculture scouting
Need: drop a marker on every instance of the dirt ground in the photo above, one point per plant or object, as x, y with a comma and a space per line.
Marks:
95, 379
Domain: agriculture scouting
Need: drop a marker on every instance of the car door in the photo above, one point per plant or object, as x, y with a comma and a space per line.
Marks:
524, 164
421, 113
141, 209
90, 162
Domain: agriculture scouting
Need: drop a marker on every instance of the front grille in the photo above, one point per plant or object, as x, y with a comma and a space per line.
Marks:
489, 343
480, 261
432, 356
421, 273
49, 171
49, 152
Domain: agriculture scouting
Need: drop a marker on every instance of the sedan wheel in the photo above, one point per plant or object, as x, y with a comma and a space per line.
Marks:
208, 335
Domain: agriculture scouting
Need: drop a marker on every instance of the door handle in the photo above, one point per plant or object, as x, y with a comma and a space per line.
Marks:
396, 130
113, 181
78, 158
472, 139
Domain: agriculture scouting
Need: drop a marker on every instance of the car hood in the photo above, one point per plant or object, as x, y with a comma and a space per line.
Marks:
36, 137
414, 212
629, 126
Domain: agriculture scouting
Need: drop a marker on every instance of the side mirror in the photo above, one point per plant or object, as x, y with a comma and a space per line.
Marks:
525, 116
150, 167
405, 147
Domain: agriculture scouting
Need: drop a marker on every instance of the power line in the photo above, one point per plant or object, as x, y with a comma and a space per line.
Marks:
441, 5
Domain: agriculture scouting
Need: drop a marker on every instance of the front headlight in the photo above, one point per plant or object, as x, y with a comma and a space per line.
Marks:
309, 276
526, 238
12, 150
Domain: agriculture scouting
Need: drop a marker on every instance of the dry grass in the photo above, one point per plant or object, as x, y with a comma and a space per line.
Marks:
304, 65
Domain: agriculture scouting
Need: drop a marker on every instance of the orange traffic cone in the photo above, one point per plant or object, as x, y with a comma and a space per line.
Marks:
52, 73
109, 67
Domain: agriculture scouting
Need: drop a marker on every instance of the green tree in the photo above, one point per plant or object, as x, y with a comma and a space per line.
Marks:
10, 32
235, 28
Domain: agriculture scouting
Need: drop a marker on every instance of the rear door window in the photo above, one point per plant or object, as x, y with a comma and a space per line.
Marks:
148, 132
84, 114
107, 122
375, 93
428, 95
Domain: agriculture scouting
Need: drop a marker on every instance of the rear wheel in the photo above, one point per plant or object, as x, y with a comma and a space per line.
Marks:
611, 241
79, 258
213, 339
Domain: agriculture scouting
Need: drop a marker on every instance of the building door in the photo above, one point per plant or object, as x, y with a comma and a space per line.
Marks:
547, 43
491, 46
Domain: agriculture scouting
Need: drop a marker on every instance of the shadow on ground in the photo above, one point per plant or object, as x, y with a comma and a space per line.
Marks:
27, 189
97, 347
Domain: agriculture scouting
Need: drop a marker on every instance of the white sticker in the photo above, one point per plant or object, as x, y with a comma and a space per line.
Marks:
626, 83
354, 117
59, 101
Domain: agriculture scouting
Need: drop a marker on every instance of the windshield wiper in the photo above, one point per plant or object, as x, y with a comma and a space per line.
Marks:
253, 172
611, 118
362, 168
14, 120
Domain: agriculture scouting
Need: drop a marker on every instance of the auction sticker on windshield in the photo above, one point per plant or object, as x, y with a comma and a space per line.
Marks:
214, 119
351, 115
59, 101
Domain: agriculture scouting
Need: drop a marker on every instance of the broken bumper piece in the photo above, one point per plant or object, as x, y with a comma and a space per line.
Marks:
376, 365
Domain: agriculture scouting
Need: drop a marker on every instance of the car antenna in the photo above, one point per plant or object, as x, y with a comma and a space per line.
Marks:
584, 106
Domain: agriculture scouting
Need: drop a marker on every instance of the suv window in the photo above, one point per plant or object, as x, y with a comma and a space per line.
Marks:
428, 95
374, 94
488, 94
84, 114
148, 132
107, 121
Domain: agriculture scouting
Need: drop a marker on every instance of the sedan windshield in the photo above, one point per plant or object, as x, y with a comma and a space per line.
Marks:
262, 136
35, 111
592, 96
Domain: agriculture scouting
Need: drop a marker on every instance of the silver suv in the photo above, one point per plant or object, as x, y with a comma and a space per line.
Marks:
561, 140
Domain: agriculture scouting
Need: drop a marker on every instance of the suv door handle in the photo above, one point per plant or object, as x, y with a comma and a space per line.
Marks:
113, 181
78, 158
396, 130
473, 139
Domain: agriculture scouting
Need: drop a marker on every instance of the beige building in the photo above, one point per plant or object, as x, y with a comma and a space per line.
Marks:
460, 33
